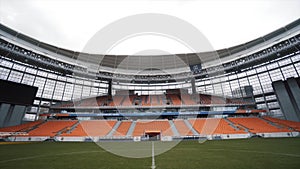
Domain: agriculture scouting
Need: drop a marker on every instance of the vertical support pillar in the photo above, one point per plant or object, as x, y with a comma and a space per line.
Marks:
294, 91
193, 85
109, 87
285, 101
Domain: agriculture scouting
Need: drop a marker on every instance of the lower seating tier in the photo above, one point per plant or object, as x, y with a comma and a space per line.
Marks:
190, 127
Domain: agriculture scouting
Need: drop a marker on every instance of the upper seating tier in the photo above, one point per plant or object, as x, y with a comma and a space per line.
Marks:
151, 100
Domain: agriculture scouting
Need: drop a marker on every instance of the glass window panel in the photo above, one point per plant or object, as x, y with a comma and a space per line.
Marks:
4, 73
232, 76
240, 75
265, 82
52, 76
261, 106
272, 66
261, 69
284, 62
72, 80
15, 76
49, 89
42, 73
201, 89
86, 91
6, 63
68, 91
209, 89
18, 67
296, 58
77, 91
271, 97
288, 71
259, 99
254, 81
61, 78
297, 65
251, 72
28, 79
276, 75
58, 92
39, 82
31, 70
226, 89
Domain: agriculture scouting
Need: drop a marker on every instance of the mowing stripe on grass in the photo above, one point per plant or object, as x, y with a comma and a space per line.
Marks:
41, 156
250, 151
6, 143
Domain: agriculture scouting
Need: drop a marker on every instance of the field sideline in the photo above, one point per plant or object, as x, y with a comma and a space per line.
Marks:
226, 154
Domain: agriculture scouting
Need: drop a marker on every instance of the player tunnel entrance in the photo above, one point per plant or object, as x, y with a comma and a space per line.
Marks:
153, 134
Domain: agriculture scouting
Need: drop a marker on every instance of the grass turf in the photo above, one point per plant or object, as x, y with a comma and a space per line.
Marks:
250, 153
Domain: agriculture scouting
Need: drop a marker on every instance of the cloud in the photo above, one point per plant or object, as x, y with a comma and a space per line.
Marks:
70, 24
24, 17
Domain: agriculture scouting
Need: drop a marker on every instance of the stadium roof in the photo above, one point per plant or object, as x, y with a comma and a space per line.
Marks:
153, 63
71, 24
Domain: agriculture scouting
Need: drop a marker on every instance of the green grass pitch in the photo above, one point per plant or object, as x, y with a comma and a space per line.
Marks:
226, 154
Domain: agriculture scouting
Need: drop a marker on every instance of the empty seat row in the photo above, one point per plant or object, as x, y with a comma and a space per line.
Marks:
151, 100
51, 128
22, 127
292, 124
214, 126
92, 128
257, 125
207, 126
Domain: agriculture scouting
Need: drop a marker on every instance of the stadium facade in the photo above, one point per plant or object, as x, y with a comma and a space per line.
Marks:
244, 74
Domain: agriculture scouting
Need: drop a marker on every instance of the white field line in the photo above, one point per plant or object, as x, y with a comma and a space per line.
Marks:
153, 157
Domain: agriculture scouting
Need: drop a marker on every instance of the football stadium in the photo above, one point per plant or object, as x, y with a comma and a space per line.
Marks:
235, 107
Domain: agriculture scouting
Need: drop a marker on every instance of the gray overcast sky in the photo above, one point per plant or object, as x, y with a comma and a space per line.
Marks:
70, 24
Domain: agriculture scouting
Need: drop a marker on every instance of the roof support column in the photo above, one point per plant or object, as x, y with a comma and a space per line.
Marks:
193, 85
109, 88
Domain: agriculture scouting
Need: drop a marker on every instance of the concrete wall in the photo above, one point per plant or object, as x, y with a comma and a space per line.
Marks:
28, 138
16, 116
294, 91
70, 139
288, 94
4, 109
281, 134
